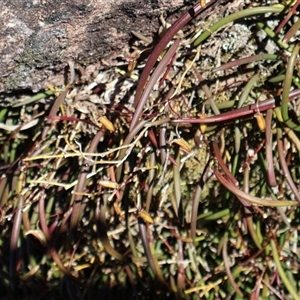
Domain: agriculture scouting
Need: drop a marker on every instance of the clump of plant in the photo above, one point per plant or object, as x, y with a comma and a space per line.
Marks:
176, 178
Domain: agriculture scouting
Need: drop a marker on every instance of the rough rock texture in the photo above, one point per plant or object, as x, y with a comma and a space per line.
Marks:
39, 37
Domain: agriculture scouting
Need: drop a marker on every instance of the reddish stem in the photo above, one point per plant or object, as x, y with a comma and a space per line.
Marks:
238, 113
182, 21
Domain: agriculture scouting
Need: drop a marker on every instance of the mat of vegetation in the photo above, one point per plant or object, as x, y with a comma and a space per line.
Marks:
172, 176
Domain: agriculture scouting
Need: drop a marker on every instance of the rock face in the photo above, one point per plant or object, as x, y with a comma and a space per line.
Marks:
39, 37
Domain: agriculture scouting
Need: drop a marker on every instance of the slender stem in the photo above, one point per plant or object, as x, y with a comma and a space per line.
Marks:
53, 111
290, 133
181, 22
246, 60
250, 198
153, 79
238, 113
247, 90
224, 168
176, 180
151, 179
196, 199
272, 35
269, 150
76, 200
235, 16
143, 234
42, 216
127, 141
281, 272
284, 166
15, 235
286, 90
221, 163
235, 286
248, 213
292, 30
100, 212
207, 92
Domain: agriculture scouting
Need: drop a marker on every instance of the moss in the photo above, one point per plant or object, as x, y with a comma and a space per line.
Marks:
44, 48
17, 78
